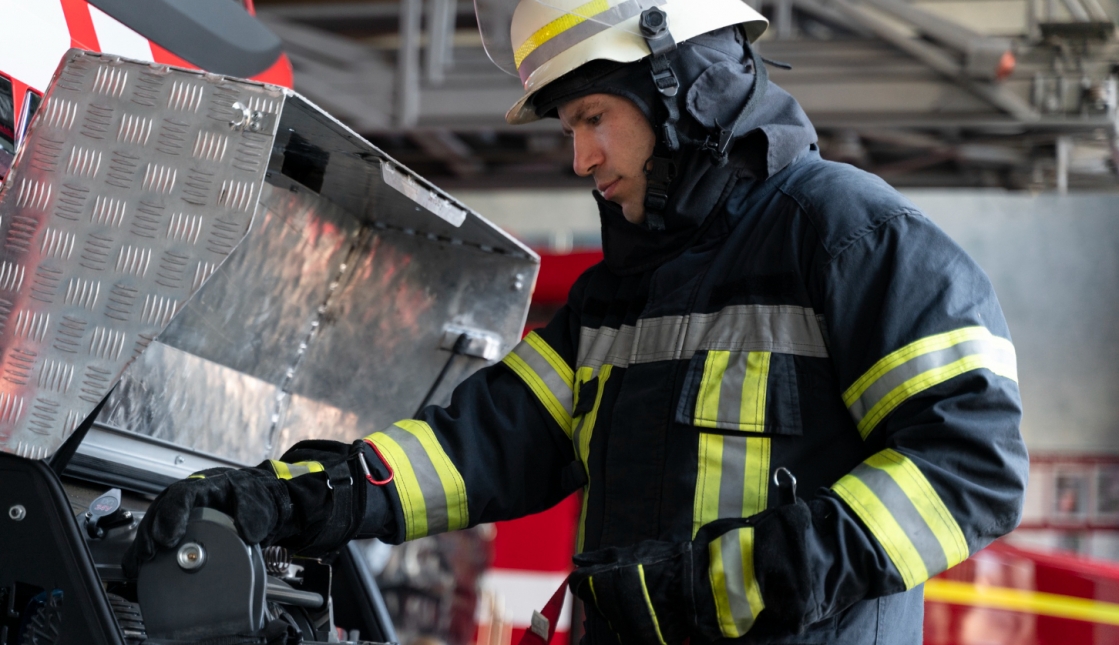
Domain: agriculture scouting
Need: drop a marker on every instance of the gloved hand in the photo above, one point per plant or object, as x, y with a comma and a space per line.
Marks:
646, 592
314, 499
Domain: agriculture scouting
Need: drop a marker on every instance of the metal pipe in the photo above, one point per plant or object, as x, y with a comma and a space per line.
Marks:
1079, 13
440, 33
783, 19
1096, 11
408, 65
998, 96
1064, 151
956, 36
285, 595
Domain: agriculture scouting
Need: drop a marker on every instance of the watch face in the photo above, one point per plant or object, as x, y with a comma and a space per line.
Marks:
104, 505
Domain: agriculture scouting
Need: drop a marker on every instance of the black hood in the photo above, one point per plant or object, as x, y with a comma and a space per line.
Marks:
716, 74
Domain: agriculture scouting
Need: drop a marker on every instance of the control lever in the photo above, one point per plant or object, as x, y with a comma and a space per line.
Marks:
105, 514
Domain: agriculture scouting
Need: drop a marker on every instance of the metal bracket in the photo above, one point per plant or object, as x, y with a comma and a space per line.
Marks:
479, 343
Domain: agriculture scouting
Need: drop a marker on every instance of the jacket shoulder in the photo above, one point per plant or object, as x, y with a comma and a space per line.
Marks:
842, 202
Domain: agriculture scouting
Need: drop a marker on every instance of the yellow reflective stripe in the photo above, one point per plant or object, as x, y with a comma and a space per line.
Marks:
755, 490
718, 576
707, 402
288, 471
554, 359
885, 529
706, 507
649, 603
431, 490
197, 477
280, 468
732, 478
924, 364
738, 599
582, 438
732, 391
920, 492
453, 486
553, 390
752, 413
1033, 602
407, 485
556, 27
753, 591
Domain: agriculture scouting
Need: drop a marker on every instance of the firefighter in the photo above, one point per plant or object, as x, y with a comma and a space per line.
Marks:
787, 397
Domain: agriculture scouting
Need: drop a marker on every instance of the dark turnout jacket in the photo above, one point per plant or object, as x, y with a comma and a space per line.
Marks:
815, 322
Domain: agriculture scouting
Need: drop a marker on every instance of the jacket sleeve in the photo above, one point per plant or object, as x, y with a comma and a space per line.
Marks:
498, 451
928, 372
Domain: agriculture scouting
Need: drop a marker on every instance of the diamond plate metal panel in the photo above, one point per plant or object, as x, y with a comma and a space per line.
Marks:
136, 187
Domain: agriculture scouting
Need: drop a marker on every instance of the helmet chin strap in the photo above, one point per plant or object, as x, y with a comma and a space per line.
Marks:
660, 169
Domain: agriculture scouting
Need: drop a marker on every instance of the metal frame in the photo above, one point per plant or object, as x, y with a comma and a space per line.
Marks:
885, 72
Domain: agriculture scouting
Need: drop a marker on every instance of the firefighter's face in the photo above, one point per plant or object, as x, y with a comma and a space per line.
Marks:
613, 140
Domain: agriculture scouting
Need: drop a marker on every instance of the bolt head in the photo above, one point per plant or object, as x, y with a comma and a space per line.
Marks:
17, 512
191, 556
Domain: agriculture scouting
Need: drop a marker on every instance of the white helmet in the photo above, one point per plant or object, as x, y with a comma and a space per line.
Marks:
541, 40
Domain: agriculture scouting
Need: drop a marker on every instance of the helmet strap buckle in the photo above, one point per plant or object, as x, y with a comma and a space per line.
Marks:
660, 170
718, 148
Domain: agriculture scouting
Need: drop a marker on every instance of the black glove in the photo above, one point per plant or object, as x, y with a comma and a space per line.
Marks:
645, 592
315, 499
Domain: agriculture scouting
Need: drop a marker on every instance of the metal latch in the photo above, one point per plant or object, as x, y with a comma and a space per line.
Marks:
245, 118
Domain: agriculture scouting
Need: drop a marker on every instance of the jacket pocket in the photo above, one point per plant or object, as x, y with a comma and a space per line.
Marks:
738, 391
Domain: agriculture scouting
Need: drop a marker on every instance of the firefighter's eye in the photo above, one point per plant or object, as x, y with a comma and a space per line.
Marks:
595, 120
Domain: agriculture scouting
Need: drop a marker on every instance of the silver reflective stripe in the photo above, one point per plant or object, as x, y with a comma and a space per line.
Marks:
736, 582
434, 496
786, 329
732, 477
906, 515
605, 346
572, 36
999, 349
730, 386
899, 506
547, 375
734, 586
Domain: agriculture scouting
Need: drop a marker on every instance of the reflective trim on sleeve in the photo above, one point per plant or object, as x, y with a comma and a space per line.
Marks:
738, 599
431, 490
288, 471
899, 506
732, 391
581, 437
785, 329
732, 478
924, 364
546, 374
